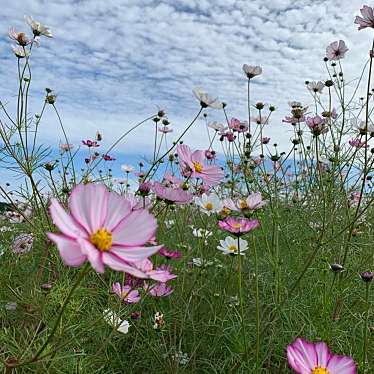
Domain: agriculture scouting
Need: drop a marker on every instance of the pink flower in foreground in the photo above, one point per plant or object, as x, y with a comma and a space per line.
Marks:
161, 290
170, 194
126, 293
103, 229
336, 50
194, 162
367, 19
315, 358
238, 226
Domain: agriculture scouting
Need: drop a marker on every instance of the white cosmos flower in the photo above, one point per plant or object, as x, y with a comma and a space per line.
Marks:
206, 100
360, 125
127, 168
209, 203
316, 87
38, 28
113, 320
200, 262
229, 246
201, 233
20, 52
216, 126
252, 71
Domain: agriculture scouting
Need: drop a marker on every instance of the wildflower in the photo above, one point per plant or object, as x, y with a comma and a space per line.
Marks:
367, 19
161, 290
295, 104
209, 203
159, 321
171, 195
127, 168
169, 254
193, 164
315, 358
252, 71
22, 244
367, 276
169, 223
216, 126
38, 28
115, 321
90, 143
229, 246
201, 233
210, 154
336, 268
20, 52
361, 126
19, 37
238, 125
108, 158
103, 229
65, 147
160, 274
10, 306
357, 143
165, 129
238, 226
252, 202
126, 293
265, 140
316, 87
260, 120
317, 125
336, 50
206, 100
181, 358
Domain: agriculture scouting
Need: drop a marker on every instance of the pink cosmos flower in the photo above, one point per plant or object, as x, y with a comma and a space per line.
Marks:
169, 254
315, 358
357, 143
253, 202
194, 164
161, 274
165, 129
90, 143
108, 158
336, 50
103, 229
317, 125
238, 125
210, 154
65, 147
238, 226
265, 140
260, 120
170, 194
367, 19
126, 293
172, 179
19, 37
161, 290
293, 120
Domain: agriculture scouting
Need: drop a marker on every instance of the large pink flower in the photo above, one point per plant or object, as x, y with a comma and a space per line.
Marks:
103, 229
315, 358
367, 19
194, 164
170, 194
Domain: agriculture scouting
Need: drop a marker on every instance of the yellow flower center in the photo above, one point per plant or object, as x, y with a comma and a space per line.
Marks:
320, 370
243, 204
236, 225
208, 206
225, 211
101, 239
233, 248
198, 167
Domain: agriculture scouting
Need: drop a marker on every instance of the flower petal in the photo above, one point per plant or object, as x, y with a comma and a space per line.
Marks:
93, 254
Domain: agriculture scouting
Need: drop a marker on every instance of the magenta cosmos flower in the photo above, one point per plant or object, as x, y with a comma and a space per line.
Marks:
367, 19
336, 50
193, 163
238, 226
315, 358
103, 229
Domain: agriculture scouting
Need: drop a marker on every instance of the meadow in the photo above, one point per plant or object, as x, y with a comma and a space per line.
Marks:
243, 257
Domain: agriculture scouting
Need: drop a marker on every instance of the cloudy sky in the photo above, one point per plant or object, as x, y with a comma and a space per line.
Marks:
114, 62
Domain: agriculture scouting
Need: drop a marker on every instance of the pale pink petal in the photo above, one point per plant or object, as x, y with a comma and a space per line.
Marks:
341, 365
323, 354
198, 156
184, 154
94, 256
64, 221
134, 254
69, 250
135, 230
118, 209
160, 275
88, 204
116, 263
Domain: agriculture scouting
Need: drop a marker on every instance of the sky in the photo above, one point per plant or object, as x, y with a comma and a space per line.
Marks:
113, 63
